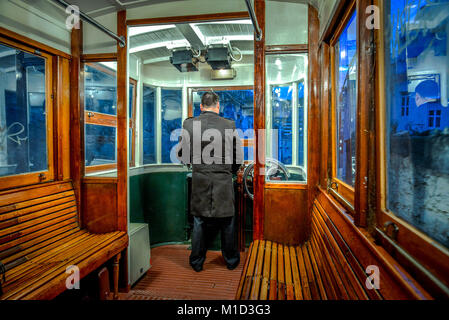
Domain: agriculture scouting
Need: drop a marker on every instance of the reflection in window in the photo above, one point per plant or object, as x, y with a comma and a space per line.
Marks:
346, 102
281, 115
100, 89
286, 114
100, 145
149, 125
417, 64
23, 139
171, 109
100, 99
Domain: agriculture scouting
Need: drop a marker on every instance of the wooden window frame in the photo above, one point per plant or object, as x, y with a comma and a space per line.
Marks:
425, 251
344, 193
191, 90
48, 175
108, 120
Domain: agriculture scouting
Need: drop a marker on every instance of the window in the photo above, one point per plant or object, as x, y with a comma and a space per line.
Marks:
26, 139
149, 125
171, 123
100, 104
417, 147
238, 105
344, 97
132, 120
286, 114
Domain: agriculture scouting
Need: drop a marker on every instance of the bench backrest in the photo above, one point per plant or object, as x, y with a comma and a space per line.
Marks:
33, 218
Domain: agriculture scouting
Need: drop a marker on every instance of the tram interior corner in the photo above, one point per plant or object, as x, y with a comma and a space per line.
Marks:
342, 114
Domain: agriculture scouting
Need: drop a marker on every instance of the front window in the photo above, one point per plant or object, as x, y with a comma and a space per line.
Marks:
171, 113
237, 105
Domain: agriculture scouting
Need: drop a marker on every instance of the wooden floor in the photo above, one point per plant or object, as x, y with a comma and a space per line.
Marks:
171, 277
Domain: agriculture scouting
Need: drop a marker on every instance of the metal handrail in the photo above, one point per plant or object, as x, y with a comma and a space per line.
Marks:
121, 39
253, 17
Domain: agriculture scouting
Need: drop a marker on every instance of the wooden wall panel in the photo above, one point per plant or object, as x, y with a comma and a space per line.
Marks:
100, 204
122, 126
259, 122
395, 283
313, 129
63, 98
287, 219
76, 114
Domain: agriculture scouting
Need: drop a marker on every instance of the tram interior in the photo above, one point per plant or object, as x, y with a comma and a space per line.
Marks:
348, 123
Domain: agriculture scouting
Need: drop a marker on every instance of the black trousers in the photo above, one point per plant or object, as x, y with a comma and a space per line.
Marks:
203, 231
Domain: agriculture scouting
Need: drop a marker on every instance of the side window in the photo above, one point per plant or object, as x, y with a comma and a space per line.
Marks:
26, 146
286, 114
149, 119
417, 146
344, 109
100, 105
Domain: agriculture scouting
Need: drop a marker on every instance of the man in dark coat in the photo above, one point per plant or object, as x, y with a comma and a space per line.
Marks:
212, 146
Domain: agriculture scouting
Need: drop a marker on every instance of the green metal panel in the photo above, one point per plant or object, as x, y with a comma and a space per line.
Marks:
160, 199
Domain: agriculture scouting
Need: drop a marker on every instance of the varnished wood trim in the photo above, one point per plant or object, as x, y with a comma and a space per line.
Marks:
122, 125
77, 114
313, 120
192, 18
286, 186
364, 132
101, 167
398, 284
99, 180
338, 16
101, 119
259, 123
288, 48
32, 43
99, 57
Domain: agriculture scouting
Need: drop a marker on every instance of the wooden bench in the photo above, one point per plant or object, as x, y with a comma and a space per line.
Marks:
40, 237
321, 269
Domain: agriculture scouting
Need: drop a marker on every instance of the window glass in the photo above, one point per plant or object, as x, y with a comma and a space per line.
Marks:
346, 102
131, 120
417, 120
237, 105
149, 125
100, 99
286, 116
171, 113
23, 138
302, 136
131, 99
100, 145
281, 117
100, 88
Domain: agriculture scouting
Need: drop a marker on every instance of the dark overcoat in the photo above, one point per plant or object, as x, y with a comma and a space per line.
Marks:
215, 155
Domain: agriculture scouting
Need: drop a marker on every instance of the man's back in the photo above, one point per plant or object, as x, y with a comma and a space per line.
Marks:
215, 152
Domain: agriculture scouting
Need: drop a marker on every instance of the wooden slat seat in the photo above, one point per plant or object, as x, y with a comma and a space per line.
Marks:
40, 237
320, 269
